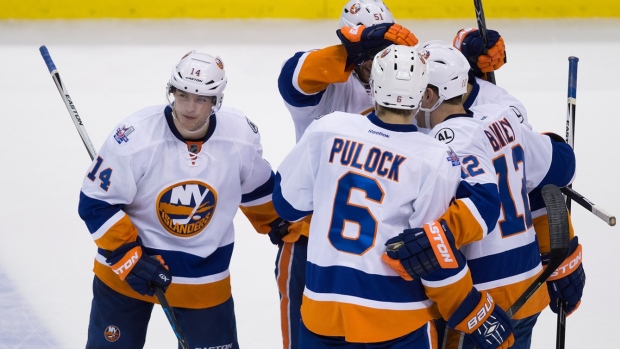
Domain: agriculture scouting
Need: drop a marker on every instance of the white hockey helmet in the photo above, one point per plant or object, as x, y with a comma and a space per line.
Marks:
201, 74
399, 77
365, 12
448, 68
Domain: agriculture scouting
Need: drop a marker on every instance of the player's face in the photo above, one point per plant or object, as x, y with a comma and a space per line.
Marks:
363, 71
191, 110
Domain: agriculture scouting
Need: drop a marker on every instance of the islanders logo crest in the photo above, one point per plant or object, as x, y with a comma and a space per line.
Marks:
355, 8
112, 333
185, 209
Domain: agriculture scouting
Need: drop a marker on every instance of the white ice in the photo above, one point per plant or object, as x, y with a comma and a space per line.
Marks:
113, 68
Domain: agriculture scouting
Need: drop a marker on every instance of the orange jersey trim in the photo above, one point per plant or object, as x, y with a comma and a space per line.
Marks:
460, 219
359, 324
322, 68
449, 297
505, 297
260, 216
119, 234
178, 295
541, 226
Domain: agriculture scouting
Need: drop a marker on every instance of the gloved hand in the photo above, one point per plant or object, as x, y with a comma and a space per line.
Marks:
568, 281
484, 322
140, 271
417, 252
471, 44
279, 229
363, 43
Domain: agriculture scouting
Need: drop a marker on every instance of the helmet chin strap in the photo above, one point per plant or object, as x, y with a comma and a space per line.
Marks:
427, 113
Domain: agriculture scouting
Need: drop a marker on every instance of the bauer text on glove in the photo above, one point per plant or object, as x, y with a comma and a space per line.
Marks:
484, 322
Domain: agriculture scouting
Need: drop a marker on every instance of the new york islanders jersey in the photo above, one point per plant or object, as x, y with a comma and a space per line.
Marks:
180, 197
507, 260
365, 181
484, 92
316, 83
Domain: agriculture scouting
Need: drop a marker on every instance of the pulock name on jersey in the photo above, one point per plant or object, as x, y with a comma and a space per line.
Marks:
376, 160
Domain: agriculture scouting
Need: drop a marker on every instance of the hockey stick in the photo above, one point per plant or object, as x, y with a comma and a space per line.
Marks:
589, 205
571, 108
77, 121
570, 193
560, 336
559, 237
482, 27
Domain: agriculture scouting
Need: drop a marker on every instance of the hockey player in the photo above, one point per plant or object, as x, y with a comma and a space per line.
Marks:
365, 179
567, 286
505, 262
335, 78
313, 84
159, 201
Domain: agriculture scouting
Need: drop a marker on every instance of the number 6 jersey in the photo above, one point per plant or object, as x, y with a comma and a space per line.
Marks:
365, 181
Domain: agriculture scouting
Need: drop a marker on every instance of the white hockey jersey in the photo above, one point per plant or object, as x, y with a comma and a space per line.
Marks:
365, 181
179, 197
316, 83
484, 92
507, 260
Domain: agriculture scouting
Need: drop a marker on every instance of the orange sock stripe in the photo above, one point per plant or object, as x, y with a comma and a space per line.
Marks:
284, 275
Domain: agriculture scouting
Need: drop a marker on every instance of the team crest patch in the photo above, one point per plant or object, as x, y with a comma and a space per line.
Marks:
424, 55
112, 333
219, 63
355, 8
122, 134
185, 209
445, 135
452, 157
385, 52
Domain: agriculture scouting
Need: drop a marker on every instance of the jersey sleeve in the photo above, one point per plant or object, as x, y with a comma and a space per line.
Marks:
476, 207
108, 186
446, 287
305, 76
257, 185
549, 160
293, 193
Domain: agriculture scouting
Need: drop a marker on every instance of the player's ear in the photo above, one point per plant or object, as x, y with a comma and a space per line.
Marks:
428, 94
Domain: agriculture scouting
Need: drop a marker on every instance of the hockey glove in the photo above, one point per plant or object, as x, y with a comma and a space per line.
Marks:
142, 273
484, 322
279, 229
568, 281
471, 44
363, 43
417, 252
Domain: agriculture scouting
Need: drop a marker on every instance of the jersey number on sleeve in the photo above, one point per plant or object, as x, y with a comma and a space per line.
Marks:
345, 214
104, 175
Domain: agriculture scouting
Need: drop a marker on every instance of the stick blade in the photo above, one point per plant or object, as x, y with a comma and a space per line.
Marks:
559, 232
